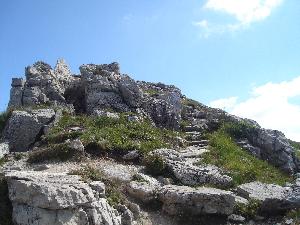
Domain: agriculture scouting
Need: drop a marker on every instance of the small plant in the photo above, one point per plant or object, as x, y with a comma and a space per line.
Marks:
190, 102
248, 210
152, 92
60, 152
155, 165
88, 173
295, 215
18, 156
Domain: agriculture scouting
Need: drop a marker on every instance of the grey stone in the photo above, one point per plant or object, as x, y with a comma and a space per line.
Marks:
273, 198
53, 198
24, 128
183, 200
132, 155
187, 173
4, 149
236, 218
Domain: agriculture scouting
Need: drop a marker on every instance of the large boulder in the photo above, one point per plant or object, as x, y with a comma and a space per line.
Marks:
272, 198
53, 198
275, 148
183, 200
25, 127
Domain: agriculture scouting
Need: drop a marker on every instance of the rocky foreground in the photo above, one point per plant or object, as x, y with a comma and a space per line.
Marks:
100, 148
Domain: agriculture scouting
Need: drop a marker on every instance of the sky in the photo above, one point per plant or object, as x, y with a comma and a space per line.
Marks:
239, 55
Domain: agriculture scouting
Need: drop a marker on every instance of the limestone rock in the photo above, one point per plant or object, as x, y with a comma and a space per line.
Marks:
189, 174
4, 149
145, 188
24, 127
276, 149
273, 197
51, 198
183, 200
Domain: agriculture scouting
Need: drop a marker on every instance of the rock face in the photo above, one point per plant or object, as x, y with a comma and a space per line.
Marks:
182, 200
276, 149
25, 127
53, 199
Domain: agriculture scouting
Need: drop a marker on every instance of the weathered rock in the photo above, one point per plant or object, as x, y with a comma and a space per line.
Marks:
144, 189
273, 198
132, 155
183, 200
275, 148
183, 168
25, 127
4, 149
130, 91
45, 198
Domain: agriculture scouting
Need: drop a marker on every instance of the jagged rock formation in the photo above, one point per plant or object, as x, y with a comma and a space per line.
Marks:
42, 194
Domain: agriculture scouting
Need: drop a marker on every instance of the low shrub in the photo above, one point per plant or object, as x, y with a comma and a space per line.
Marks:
155, 165
249, 210
239, 164
238, 129
60, 152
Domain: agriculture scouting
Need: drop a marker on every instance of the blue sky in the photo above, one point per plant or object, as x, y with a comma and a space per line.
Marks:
218, 52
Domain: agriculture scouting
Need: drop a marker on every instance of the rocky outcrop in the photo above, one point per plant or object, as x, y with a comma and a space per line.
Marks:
275, 148
183, 166
273, 198
53, 199
25, 127
182, 200
43, 85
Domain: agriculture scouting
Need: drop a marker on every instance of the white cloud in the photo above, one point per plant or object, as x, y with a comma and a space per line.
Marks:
224, 103
269, 105
245, 13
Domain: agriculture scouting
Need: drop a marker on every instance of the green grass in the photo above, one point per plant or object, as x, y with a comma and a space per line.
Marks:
239, 164
114, 195
296, 146
57, 152
111, 134
151, 92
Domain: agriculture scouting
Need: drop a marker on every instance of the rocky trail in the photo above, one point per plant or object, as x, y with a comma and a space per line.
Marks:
102, 149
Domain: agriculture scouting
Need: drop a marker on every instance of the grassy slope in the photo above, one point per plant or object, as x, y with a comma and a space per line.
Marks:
241, 165
110, 134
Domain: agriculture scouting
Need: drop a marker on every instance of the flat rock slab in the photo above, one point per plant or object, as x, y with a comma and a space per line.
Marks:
273, 198
183, 200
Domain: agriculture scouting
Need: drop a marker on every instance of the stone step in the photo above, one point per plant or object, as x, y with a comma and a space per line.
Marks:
192, 128
201, 143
